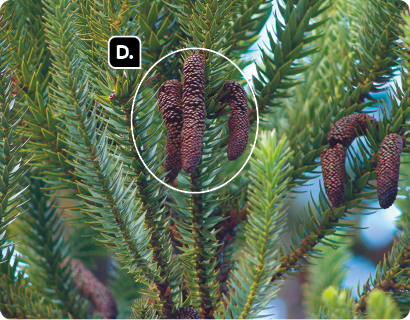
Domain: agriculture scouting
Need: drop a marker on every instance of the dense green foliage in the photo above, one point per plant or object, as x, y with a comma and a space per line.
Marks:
73, 185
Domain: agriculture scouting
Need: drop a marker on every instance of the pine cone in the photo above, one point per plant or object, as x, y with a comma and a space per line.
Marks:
344, 130
333, 169
388, 169
238, 122
193, 101
187, 313
362, 119
93, 289
170, 106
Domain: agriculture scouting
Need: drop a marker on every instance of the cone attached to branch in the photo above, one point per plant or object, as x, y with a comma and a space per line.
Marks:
348, 128
193, 101
187, 313
238, 122
170, 107
388, 169
93, 289
333, 169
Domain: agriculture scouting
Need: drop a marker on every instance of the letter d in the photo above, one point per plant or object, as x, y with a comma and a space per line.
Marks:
119, 56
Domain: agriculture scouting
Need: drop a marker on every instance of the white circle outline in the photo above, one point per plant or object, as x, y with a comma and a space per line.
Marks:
257, 121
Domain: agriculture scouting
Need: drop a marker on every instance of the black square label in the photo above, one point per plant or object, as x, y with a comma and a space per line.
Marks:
124, 52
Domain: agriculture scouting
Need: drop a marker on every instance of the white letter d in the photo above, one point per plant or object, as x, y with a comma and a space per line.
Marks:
119, 56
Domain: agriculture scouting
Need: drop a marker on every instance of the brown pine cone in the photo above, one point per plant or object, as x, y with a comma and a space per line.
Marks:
187, 313
170, 107
238, 122
362, 119
93, 289
333, 169
344, 130
388, 169
193, 112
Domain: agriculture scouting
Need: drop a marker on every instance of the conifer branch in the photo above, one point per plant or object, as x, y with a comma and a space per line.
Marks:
250, 18
200, 239
329, 219
44, 245
195, 221
350, 103
249, 286
367, 76
125, 294
142, 309
337, 304
12, 164
324, 80
328, 269
380, 305
160, 32
113, 207
377, 32
327, 222
403, 204
234, 219
204, 26
167, 283
22, 302
31, 62
390, 275
150, 193
280, 58
18, 298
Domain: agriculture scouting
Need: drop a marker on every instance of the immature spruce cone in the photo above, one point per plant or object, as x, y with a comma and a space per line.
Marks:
193, 112
333, 169
388, 169
187, 313
93, 289
169, 99
238, 122
344, 130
